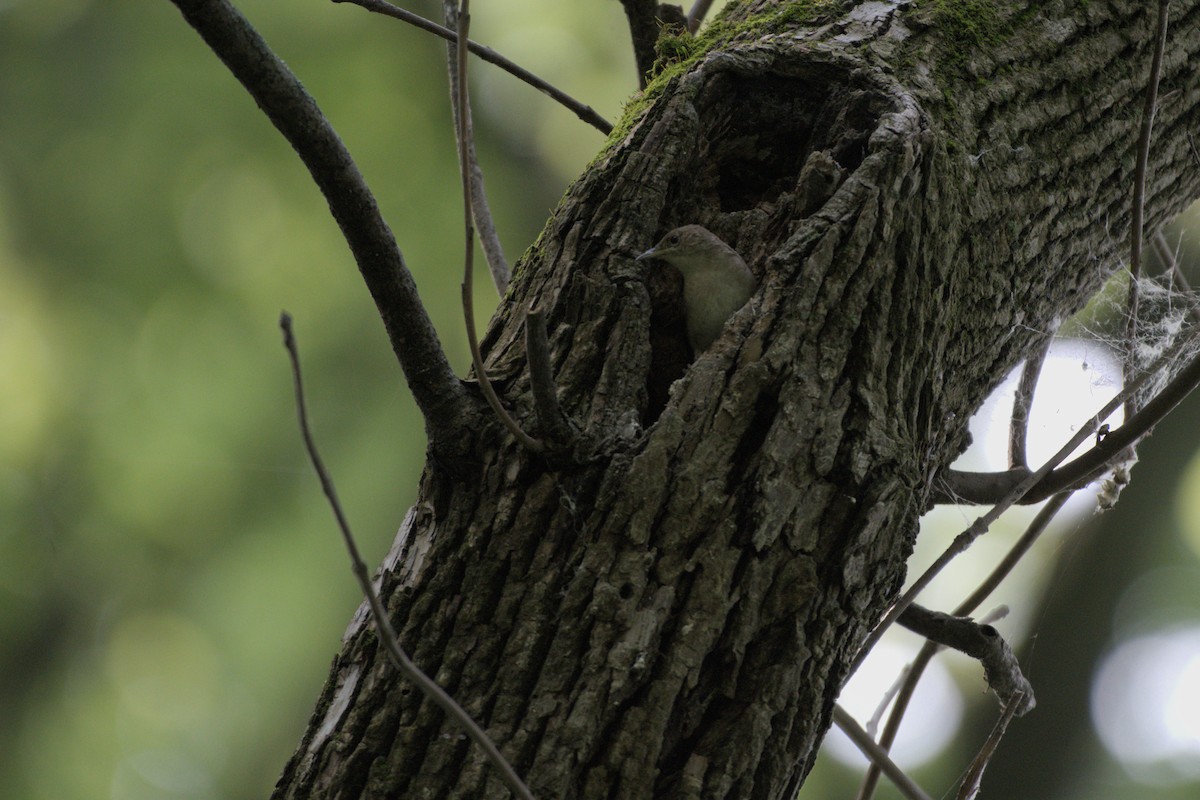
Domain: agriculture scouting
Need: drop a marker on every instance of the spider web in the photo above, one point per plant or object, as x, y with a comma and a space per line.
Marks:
1168, 321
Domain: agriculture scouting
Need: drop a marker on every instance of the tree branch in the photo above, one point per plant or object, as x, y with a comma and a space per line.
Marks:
1018, 427
981, 642
974, 777
696, 16
438, 392
584, 112
1156, 409
1139, 198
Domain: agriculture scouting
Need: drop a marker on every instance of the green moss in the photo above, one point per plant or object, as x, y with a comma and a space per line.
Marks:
806, 12
965, 27
673, 47
677, 48
679, 51
970, 22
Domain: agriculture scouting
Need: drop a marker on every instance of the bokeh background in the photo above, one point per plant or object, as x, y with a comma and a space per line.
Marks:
172, 588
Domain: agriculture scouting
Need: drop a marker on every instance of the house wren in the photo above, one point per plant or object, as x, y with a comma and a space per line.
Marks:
716, 281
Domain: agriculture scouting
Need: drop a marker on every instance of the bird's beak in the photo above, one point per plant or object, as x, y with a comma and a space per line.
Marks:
648, 254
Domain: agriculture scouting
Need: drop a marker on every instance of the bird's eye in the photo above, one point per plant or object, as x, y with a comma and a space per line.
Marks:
673, 239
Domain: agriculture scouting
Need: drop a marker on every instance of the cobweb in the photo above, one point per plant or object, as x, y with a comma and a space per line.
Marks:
1168, 324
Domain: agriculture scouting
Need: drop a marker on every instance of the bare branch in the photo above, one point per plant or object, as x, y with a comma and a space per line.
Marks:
877, 754
1155, 410
981, 642
463, 133
438, 392
1139, 193
486, 225
1018, 428
541, 377
584, 112
872, 726
1014, 555
387, 634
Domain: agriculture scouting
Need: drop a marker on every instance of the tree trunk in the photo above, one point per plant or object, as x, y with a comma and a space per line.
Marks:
670, 609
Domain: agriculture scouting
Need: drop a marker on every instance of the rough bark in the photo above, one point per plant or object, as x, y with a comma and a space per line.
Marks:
670, 610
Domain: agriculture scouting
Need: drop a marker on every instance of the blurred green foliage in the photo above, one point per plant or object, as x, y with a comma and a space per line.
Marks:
172, 587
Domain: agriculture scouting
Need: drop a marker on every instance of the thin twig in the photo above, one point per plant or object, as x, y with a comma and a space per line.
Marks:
929, 649
463, 133
584, 112
876, 754
541, 378
974, 777
1139, 197
387, 634
1032, 533
484, 222
437, 390
886, 739
697, 14
1018, 427
872, 726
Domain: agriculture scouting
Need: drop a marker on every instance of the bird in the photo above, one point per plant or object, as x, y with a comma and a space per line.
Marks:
716, 281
